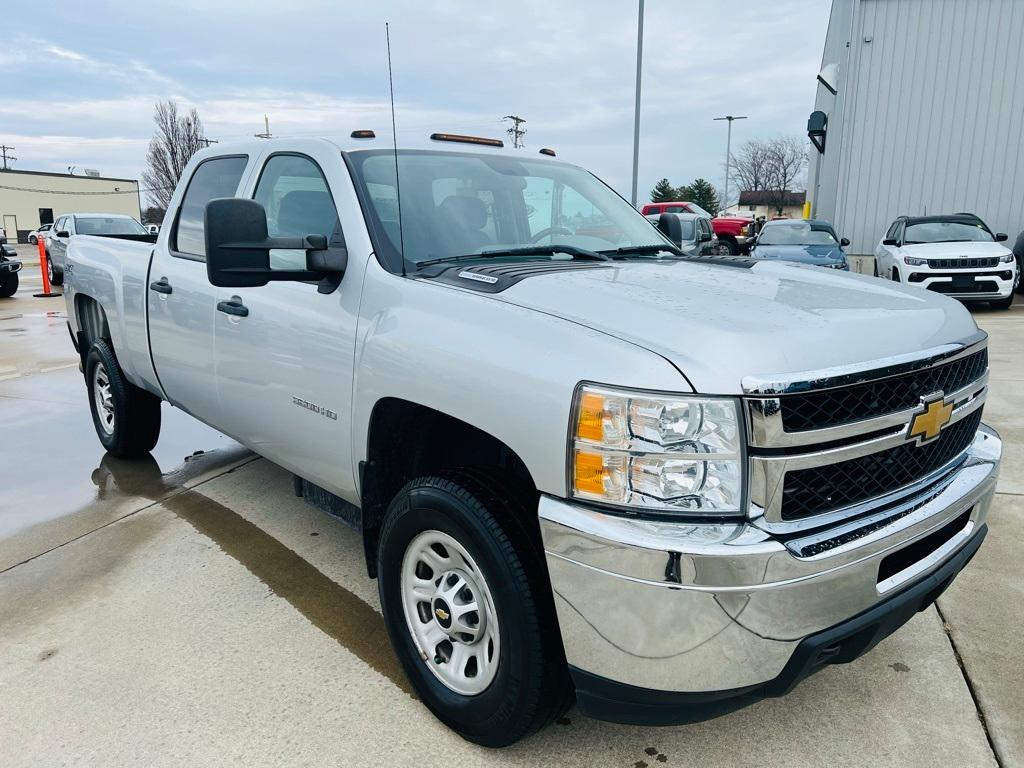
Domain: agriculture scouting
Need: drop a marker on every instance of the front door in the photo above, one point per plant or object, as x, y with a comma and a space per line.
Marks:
284, 369
180, 300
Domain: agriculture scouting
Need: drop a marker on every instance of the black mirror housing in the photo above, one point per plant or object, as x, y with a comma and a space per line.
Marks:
891, 242
238, 249
1001, 237
670, 226
63, 233
844, 242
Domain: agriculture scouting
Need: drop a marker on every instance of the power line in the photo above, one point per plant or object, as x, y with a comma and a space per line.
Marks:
72, 192
515, 131
3, 150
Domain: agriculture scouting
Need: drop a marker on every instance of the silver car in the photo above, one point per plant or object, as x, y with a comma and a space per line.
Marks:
103, 224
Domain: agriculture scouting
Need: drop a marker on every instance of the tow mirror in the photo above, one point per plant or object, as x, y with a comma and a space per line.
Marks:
1001, 237
63, 233
670, 226
844, 242
890, 242
238, 249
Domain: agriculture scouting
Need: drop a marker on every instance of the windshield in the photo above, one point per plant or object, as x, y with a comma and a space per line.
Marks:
112, 225
456, 204
796, 234
945, 232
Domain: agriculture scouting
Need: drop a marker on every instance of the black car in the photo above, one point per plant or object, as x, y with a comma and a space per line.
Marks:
9, 269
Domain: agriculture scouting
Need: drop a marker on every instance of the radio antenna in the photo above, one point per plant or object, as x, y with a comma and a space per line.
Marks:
394, 141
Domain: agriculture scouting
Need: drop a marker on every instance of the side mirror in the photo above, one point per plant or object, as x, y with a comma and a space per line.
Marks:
63, 233
670, 226
844, 242
890, 242
238, 249
1001, 237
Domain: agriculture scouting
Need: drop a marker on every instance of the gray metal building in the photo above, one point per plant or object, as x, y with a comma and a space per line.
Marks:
927, 117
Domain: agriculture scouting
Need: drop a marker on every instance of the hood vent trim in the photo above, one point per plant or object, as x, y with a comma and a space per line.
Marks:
495, 278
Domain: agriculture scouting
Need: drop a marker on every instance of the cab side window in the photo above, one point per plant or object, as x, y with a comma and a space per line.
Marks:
298, 202
217, 177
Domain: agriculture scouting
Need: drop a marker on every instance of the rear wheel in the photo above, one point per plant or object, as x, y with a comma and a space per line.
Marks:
55, 277
126, 418
32, 239
8, 285
468, 608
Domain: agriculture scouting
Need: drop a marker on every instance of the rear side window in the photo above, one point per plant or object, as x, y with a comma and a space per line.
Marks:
214, 178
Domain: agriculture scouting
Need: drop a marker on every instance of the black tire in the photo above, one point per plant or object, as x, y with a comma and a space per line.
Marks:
1003, 303
487, 515
1019, 287
729, 243
895, 276
32, 239
8, 285
131, 426
56, 277
874, 267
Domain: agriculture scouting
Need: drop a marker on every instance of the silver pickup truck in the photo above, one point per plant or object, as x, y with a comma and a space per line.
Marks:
583, 466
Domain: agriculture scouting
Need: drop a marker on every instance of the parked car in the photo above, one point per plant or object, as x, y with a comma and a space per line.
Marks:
734, 233
10, 266
674, 485
1018, 252
3, 235
102, 224
805, 242
39, 234
957, 255
690, 231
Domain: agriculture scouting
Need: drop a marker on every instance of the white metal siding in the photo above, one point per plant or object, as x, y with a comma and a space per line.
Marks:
931, 112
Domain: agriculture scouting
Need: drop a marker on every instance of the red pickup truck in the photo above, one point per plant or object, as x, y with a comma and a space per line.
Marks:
732, 231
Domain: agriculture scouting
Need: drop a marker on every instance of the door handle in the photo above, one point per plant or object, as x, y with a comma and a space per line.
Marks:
234, 307
161, 286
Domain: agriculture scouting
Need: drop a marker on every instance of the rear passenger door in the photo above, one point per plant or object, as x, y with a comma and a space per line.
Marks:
180, 300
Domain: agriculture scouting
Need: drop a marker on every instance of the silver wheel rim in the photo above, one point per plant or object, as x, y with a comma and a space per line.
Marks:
49, 270
103, 398
450, 613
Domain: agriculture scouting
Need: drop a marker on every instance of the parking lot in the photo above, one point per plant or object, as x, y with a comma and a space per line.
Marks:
189, 610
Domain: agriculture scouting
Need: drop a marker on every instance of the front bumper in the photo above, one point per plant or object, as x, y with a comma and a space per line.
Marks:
981, 285
671, 622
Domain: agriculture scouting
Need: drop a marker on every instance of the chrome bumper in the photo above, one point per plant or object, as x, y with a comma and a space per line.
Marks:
714, 607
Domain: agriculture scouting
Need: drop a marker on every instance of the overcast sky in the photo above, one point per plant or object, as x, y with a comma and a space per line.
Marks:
79, 85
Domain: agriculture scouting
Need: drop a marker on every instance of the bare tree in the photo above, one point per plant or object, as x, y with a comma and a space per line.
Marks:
177, 138
774, 166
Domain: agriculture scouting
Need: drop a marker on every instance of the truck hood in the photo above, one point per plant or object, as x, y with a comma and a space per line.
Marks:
952, 250
718, 322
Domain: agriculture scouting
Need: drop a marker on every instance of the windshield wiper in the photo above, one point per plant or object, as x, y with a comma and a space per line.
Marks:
640, 250
532, 250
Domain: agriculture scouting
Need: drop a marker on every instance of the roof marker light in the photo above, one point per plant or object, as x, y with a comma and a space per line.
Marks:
459, 138
364, 134
548, 152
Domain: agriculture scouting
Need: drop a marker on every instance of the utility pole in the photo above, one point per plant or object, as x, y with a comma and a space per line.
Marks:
515, 131
266, 130
636, 110
12, 158
207, 142
728, 155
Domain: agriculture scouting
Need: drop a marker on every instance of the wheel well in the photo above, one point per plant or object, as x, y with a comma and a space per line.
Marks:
92, 323
408, 440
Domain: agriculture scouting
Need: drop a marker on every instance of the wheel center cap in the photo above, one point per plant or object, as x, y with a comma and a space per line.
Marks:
442, 614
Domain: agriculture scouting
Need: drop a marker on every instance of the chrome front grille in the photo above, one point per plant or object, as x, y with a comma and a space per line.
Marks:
831, 445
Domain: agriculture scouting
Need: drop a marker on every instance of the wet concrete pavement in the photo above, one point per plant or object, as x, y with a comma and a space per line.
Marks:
189, 610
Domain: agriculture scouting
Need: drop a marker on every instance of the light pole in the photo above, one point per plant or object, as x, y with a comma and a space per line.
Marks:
636, 111
728, 150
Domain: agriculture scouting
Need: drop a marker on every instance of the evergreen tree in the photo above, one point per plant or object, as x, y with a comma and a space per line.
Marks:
663, 192
703, 194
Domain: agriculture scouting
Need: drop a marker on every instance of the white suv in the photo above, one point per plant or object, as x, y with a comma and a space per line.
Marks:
956, 255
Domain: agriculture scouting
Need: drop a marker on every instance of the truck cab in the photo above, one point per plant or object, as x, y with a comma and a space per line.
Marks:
582, 464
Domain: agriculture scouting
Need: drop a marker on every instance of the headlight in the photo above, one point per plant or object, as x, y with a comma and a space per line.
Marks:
1006, 258
914, 261
656, 452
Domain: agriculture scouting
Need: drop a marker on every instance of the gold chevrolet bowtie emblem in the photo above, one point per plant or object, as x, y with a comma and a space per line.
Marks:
441, 613
928, 423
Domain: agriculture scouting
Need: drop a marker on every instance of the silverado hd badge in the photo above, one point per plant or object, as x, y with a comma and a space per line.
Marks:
929, 422
314, 408
467, 275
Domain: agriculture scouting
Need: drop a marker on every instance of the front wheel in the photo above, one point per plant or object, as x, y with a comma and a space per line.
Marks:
731, 249
895, 275
55, 277
127, 419
468, 608
32, 239
8, 285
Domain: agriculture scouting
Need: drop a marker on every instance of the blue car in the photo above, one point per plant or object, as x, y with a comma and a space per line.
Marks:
801, 241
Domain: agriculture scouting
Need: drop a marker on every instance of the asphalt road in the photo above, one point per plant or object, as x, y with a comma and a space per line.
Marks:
189, 610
